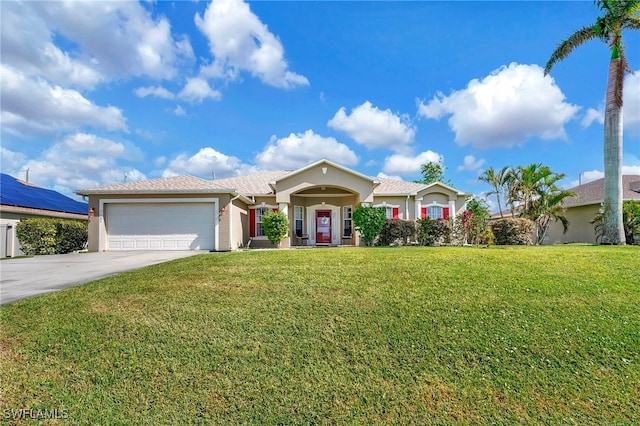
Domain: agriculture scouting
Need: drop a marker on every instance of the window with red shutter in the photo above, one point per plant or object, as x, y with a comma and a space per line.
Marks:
252, 222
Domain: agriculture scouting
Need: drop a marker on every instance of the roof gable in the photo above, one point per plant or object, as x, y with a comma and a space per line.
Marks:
327, 163
14, 192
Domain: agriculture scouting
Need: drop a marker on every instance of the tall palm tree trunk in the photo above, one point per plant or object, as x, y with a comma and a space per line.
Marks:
613, 227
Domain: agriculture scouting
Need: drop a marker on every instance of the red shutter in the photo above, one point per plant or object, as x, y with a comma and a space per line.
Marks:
275, 210
445, 212
252, 222
395, 212
423, 212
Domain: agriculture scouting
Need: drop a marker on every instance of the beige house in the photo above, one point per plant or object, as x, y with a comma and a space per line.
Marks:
582, 209
188, 213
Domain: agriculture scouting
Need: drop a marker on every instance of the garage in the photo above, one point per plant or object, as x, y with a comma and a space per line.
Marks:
160, 226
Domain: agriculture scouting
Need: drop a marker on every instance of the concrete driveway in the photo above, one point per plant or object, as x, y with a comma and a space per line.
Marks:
27, 277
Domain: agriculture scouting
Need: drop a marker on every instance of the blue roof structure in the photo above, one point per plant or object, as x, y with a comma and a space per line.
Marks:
16, 193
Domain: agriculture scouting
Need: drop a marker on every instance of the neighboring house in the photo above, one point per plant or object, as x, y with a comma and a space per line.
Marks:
21, 200
188, 213
582, 208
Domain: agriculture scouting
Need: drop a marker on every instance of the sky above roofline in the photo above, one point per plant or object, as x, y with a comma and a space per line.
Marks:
101, 93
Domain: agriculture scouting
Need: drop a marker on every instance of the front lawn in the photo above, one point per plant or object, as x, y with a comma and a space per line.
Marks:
412, 335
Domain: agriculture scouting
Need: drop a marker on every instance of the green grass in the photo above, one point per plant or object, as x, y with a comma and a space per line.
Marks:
516, 335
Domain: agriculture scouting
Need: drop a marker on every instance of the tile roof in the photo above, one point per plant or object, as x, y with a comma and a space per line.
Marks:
253, 184
395, 186
169, 184
593, 192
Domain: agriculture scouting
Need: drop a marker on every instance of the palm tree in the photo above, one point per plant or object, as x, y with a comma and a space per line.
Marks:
618, 15
539, 197
498, 180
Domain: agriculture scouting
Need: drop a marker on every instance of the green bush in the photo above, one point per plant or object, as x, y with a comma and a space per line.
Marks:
276, 226
369, 221
433, 231
512, 231
396, 232
51, 236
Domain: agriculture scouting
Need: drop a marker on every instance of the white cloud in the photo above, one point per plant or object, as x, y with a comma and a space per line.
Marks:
504, 109
80, 161
203, 164
470, 163
157, 91
384, 175
374, 128
592, 115
197, 89
179, 111
631, 108
11, 161
299, 149
33, 105
33, 51
119, 38
409, 165
239, 41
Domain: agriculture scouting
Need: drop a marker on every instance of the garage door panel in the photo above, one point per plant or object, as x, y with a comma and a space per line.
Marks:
160, 226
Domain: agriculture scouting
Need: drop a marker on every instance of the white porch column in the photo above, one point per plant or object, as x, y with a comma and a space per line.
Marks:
452, 208
418, 208
284, 208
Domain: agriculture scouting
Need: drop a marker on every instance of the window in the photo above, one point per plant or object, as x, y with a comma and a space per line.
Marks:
434, 212
392, 212
260, 212
255, 220
346, 221
298, 212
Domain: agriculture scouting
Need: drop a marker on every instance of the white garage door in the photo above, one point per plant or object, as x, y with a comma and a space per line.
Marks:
160, 226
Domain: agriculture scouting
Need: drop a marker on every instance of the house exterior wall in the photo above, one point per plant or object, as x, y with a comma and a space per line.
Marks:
579, 230
315, 177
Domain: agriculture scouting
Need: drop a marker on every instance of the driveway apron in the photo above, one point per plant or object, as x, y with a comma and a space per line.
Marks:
26, 277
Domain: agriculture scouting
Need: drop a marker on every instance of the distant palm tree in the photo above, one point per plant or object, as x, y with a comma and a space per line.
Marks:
499, 182
539, 198
618, 15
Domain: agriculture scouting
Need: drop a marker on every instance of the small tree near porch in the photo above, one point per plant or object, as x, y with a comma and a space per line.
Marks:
368, 221
276, 226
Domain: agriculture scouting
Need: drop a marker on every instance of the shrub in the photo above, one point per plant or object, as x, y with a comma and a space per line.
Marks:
71, 235
512, 231
396, 232
433, 231
368, 221
630, 221
51, 236
276, 226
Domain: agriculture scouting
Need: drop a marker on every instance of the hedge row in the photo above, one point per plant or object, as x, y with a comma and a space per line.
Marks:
51, 236
512, 231
429, 232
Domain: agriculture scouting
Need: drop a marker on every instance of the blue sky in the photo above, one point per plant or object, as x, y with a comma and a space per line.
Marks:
96, 93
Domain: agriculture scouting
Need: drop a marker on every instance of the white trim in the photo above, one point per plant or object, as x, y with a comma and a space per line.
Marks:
102, 228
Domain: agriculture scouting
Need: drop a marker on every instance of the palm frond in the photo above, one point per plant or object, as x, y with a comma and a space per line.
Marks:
565, 48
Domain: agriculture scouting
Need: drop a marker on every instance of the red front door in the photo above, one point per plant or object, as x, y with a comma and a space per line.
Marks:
323, 226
